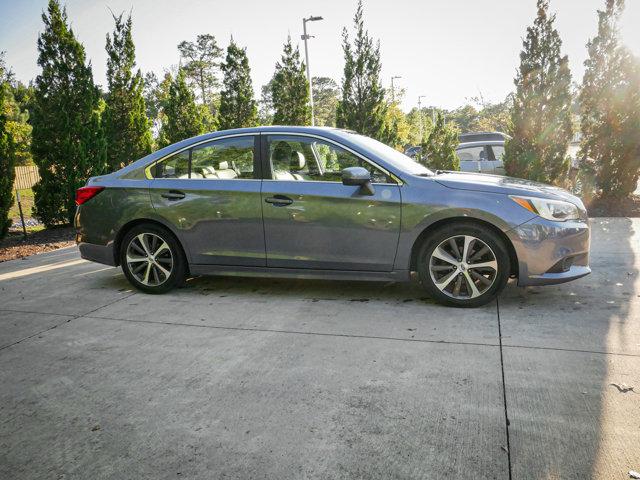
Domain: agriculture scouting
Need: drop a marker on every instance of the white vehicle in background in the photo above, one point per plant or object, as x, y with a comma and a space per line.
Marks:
478, 152
482, 152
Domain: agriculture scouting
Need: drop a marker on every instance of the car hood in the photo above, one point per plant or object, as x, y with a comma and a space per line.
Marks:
507, 185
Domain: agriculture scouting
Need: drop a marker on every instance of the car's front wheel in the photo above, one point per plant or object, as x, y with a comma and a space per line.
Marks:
151, 259
464, 265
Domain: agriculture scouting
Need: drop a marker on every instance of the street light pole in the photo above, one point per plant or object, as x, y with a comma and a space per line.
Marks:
393, 90
305, 37
420, 113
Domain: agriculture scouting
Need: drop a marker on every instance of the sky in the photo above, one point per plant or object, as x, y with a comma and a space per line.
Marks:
447, 51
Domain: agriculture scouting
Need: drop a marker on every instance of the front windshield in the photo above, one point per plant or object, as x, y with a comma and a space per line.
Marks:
391, 155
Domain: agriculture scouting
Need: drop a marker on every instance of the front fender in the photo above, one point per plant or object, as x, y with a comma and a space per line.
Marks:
422, 210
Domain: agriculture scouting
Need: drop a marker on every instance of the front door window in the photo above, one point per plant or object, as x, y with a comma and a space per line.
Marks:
311, 159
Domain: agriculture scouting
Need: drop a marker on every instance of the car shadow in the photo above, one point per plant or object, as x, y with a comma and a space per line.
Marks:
355, 291
569, 352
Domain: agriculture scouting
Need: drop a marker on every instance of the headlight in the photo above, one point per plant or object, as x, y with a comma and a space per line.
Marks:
556, 210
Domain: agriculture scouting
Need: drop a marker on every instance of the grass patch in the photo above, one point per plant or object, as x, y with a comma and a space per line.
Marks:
27, 200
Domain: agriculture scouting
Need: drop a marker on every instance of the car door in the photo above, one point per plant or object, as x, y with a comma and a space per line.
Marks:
312, 220
210, 193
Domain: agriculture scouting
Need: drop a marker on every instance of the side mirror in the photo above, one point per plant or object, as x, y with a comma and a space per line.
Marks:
358, 176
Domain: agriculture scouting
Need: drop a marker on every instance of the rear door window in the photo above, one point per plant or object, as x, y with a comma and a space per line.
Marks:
176, 166
225, 159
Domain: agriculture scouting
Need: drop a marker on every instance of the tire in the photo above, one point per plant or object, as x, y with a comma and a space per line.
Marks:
166, 254
449, 280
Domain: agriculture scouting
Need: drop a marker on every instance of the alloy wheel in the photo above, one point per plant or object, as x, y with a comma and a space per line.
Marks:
463, 267
149, 259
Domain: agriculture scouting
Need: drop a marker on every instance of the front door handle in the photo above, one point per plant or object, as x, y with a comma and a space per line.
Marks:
279, 200
173, 195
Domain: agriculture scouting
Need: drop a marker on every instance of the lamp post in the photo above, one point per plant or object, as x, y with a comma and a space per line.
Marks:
420, 113
393, 90
305, 37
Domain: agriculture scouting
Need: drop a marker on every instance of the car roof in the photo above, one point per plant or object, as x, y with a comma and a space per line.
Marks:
482, 136
479, 144
329, 132
346, 138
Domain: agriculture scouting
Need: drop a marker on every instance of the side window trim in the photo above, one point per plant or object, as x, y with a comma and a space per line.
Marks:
267, 161
489, 153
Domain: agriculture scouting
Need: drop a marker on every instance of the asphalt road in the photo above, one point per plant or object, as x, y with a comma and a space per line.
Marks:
263, 378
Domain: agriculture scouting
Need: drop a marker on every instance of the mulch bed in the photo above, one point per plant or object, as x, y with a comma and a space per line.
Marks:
626, 207
15, 246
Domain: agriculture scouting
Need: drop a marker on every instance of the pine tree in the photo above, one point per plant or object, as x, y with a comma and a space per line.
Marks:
362, 107
201, 65
68, 141
541, 114
610, 103
237, 107
125, 120
290, 89
439, 149
183, 117
7, 170
325, 100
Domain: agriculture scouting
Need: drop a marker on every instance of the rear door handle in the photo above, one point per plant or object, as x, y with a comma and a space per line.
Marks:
279, 200
173, 195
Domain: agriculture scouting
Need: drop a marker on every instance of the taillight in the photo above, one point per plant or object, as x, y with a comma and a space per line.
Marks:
85, 194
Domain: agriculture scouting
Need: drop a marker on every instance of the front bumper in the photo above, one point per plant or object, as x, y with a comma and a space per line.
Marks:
551, 252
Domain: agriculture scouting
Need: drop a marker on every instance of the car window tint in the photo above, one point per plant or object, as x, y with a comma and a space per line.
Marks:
226, 159
310, 159
471, 154
176, 166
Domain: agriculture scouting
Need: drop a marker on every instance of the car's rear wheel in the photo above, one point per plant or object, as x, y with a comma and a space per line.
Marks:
463, 265
151, 259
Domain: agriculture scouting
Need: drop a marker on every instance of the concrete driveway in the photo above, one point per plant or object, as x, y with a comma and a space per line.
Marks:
264, 378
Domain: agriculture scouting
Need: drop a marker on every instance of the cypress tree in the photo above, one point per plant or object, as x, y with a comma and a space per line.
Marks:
125, 120
290, 89
68, 141
237, 107
7, 170
541, 113
439, 149
362, 107
610, 107
183, 117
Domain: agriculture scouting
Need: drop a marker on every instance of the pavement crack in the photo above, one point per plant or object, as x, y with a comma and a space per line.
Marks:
573, 350
38, 333
504, 389
293, 332
106, 305
70, 317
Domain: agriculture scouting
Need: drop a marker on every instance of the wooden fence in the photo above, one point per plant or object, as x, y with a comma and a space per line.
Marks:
26, 177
